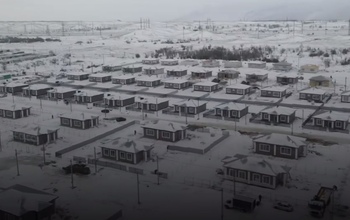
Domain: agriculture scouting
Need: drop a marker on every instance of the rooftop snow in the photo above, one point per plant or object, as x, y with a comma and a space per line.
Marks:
201, 71
126, 145
190, 103
78, 116
147, 79
38, 86
333, 116
14, 84
289, 75
346, 93
124, 77
206, 83
62, 89
151, 100
282, 64
281, 139
256, 74
238, 86
13, 107
37, 130
82, 83
274, 89
100, 75
231, 106
87, 93
166, 126
178, 68
229, 71
314, 91
78, 74
176, 81
320, 78
117, 96
279, 110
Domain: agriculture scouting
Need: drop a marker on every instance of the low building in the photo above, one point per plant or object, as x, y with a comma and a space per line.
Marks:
201, 74
320, 81
169, 62
153, 70
106, 68
257, 65
277, 115
331, 120
231, 110
280, 145
228, 74
176, 84
345, 97
256, 77
211, 63
150, 61
36, 135
61, 93
309, 68
127, 151
148, 81
178, 72
239, 89
12, 87
151, 104
118, 100
273, 92
282, 66
36, 90
123, 79
79, 120
206, 86
21, 202
14, 111
232, 64
312, 94
165, 131
256, 171
78, 76
132, 69
189, 63
287, 79
190, 107
88, 96
100, 77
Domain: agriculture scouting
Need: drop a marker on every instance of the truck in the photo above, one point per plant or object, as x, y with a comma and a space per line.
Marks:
321, 200
242, 203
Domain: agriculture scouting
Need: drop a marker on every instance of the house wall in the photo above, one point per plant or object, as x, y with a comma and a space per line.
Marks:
258, 151
311, 96
280, 154
244, 112
249, 178
272, 94
163, 105
222, 75
345, 98
153, 136
286, 80
132, 70
257, 65
177, 73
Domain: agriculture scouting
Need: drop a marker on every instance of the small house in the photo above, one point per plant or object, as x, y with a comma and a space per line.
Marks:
257, 65
232, 64
123, 79
282, 66
176, 84
228, 74
239, 89
21, 202
88, 96
36, 135
345, 97
100, 77
150, 61
169, 62
231, 110
201, 74
12, 87
190, 107
189, 63
165, 131
309, 68
206, 86
256, 171
151, 104
178, 72
107, 68
332, 120
14, 110
127, 151
312, 94
61, 93
287, 79
78, 76
118, 100
153, 71
278, 114
36, 90
148, 81
280, 145
132, 69
256, 77
211, 63
320, 81
273, 92
79, 120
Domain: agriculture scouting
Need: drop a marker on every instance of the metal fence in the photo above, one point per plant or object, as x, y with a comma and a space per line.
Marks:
108, 164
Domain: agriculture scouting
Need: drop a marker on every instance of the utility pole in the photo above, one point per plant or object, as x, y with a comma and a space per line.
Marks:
293, 28
141, 23
138, 189
157, 170
222, 203
71, 173
0, 143
258, 31
349, 28
325, 29
183, 33
71, 108
41, 103
62, 28
17, 162
44, 154
157, 107
95, 160
346, 79
302, 27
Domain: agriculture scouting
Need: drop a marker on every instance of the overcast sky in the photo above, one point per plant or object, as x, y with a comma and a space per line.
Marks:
165, 10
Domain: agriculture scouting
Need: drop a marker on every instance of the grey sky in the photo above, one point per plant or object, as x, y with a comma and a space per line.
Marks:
171, 9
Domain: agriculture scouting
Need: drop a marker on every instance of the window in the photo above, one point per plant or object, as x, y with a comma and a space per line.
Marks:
338, 124
177, 86
229, 90
264, 147
77, 123
232, 172
256, 177
345, 98
122, 155
242, 174
265, 116
276, 94
112, 153
263, 92
290, 80
283, 118
129, 157
118, 102
176, 108
9, 114
148, 83
302, 95
165, 134
191, 109
240, 91
266, 179
0, 112
318, 121
315, 97
286, 150
106, 152
207, 88
152, 106
150, 132
196, 87
218, 111
234, 113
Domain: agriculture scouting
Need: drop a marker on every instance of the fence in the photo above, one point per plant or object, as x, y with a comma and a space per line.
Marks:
89, 141
108, 164
224, 136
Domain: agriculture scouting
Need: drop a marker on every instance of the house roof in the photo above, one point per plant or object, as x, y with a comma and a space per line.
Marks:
14, 84
77, 74
320, 78
234, 61
149, 59
122, 144
176, 69
289, 75
333, 116
37, 130
278, 110
18, 200
283, 63
78, 116
238, 86
275, 88
87, 93
150, 100
281, 139
229, 71
153, 68
98, 75
256, 62
180, 81
257, 165
206, 83
132, 67
256, 74
13, 107
346, 93
190, 103
231, 106
127, 76
117, 96
166, 126
309, 66
38, 87
147, 79
60, 89
169, 60
314, 91
201, 71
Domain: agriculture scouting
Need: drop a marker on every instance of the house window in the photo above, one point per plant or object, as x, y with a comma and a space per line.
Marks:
265, 116
190, 109
266, 179
176, 85
106, 152
302, 95
283, 118
196, 87
65, 121
206, 88
242, 175
234, 113
112, 153
129, 157
9, 114
264, 147
176, 108
165, 134
0, 112
256, 177
232, 172
150, 132
152, 106
315, 97
318, 121
117, 102
122, 155
239, 91
345, 98
276, 94
148, 83
286, 151
338, 124
218, 111
77, 123
263, 92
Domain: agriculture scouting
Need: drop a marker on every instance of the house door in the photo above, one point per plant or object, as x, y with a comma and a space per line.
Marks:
328, 124
225, 113
273, 118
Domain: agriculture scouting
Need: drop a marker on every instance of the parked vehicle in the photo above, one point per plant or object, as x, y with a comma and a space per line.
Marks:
77, 168
119, 119
321, 200
105, 111
242, 203
283, 206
